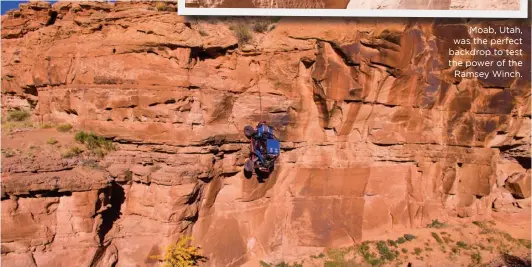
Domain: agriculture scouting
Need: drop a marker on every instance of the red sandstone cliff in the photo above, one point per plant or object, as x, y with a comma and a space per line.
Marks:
361, 4
377, 135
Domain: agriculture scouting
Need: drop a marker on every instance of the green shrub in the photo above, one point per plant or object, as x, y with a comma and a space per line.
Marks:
368, 256
404, 250
98, 145
437, 237
242, 33
284, 264
417, 251
64, 128
385, 252
462, 244
480, 224
401, 240
17, 115
486, 229
319, 256
337, 255
80, 137
333, 264
508, 237
476, 258
524, 242
409, 237
392, 243
436, 224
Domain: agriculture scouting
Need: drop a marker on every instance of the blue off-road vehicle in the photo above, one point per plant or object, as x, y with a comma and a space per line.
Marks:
265, 148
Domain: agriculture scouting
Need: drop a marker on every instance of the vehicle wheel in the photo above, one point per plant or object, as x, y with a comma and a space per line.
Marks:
249, 131
249, 166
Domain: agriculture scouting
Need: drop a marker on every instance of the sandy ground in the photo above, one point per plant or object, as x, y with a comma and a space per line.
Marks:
37, 141
503, 241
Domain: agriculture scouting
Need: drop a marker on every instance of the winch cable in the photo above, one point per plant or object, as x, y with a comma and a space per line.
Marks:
260, 96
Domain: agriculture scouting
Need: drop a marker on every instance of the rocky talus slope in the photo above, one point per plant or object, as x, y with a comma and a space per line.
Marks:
377, 134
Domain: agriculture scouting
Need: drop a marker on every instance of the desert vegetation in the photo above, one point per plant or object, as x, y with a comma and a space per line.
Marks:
15, 119
95, 144
399, 251
64, 128
181, 254
242, 33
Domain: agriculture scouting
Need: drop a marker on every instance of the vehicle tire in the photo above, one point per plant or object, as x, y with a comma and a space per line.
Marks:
249, 131
249, 166
272, 167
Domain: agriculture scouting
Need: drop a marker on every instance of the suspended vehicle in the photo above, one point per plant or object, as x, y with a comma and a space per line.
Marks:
264, 145
264, 148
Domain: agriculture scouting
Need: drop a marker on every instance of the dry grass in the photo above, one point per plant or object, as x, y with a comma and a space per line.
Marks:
52, 141
202, 32
161, 6
17, 115
8, 153
72, 152
242, 33
16, 119
261, 26
64, 128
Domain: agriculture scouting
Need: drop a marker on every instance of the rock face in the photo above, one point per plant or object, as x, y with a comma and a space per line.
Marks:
377, 134
361, 4
436, 5
340, 4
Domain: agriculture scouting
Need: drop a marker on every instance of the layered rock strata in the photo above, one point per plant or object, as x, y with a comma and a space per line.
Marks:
377, 134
